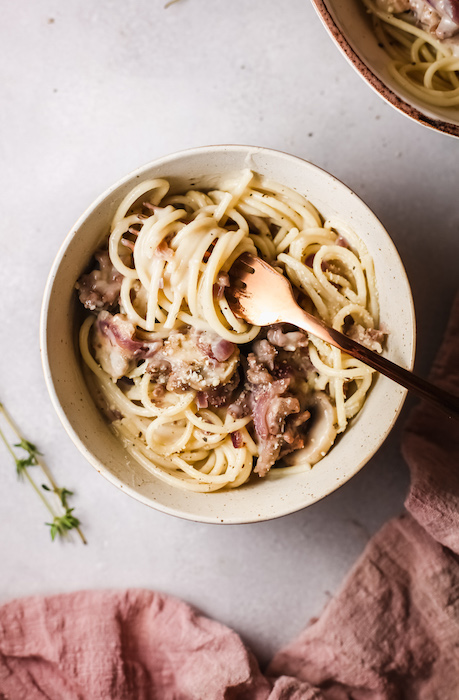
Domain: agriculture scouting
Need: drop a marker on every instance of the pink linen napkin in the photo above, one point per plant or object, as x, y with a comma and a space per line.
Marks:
390, 633
120, 645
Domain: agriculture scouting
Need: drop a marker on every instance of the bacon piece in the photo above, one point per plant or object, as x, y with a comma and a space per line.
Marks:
446, 8
115, 346
163, 251
222, 350
341, 241
202, 400
236, 439
214, 347
151, 207
128, 244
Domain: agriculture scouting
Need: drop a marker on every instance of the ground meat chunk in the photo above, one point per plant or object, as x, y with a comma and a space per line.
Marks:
292, 350
241, 407
100, 288
219, 396
274, 395
265, 353
271, 405
371, 338
289, 340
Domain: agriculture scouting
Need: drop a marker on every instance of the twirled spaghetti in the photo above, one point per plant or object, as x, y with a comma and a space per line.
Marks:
199, 397
423, 61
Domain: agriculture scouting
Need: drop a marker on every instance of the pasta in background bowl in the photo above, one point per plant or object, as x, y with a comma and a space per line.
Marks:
160, 323
399, 56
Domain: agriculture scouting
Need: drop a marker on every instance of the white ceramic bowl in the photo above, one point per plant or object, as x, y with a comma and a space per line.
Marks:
350, 27
262, 499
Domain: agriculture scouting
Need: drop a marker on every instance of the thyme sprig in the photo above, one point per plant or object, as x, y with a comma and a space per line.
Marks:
31, 460
62, 522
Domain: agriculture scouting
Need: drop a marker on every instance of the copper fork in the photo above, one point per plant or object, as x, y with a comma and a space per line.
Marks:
262, 296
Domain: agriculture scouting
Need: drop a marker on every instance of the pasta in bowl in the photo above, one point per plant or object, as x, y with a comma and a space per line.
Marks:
197, 395
198, 404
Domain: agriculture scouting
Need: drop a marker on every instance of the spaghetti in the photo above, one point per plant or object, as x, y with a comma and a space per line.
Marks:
199, 397
424, 62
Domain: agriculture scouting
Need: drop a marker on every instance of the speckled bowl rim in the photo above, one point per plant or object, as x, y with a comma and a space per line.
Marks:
376, 83
100, 467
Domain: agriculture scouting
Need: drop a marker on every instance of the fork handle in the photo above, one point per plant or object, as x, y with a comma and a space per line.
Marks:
425, 390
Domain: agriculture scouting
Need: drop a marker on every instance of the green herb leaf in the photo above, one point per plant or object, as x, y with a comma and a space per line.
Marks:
28, 447
22, 464
63, 524
63, 495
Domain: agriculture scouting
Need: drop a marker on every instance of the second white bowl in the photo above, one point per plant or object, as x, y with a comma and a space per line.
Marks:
349, 25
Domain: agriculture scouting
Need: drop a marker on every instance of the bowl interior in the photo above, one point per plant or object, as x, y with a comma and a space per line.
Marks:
350, 26
260, 499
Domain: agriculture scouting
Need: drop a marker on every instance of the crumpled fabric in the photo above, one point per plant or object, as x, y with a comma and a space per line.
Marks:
390, 633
